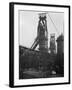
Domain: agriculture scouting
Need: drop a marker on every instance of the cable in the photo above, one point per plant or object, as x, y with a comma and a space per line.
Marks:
53, 23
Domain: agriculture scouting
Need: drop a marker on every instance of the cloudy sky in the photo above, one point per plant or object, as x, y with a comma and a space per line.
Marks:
28, 23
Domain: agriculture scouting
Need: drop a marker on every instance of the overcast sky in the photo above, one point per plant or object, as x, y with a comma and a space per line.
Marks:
28, 23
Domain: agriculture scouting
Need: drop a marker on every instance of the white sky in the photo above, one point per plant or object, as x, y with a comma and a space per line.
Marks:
28, 23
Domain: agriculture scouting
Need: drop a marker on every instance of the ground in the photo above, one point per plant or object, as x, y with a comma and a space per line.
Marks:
35, 64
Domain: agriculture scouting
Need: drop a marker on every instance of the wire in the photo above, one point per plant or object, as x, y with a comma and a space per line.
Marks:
53, 23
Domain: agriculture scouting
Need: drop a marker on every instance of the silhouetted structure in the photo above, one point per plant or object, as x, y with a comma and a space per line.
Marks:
52, 44
60, 44
42, 34
60, 55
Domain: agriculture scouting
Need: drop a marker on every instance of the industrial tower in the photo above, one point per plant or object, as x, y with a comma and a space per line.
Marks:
42, 34
52, 44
